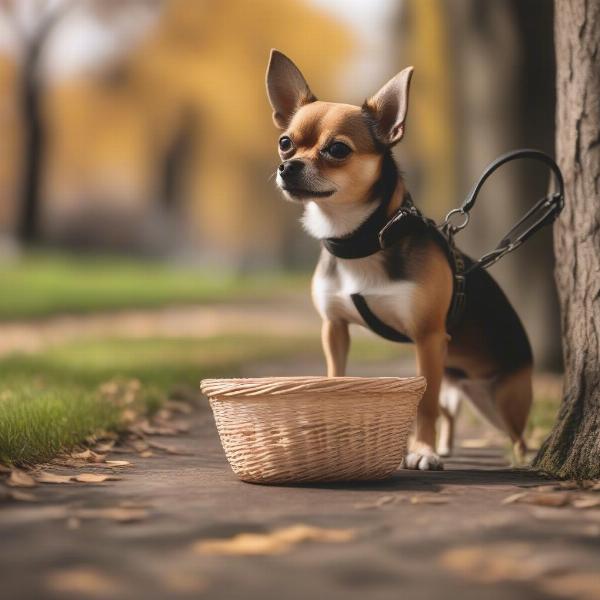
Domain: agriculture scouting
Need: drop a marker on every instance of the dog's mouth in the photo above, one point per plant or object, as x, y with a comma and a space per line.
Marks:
302, 193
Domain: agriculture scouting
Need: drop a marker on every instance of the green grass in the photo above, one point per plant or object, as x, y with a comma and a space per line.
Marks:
41, 284
51, 401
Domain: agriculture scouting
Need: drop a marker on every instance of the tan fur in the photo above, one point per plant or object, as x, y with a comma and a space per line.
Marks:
336, 343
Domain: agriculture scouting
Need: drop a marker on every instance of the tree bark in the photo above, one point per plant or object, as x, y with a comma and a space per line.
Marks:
573, 448
33, 143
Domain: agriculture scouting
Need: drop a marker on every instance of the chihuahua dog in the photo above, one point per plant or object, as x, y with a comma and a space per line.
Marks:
336, 160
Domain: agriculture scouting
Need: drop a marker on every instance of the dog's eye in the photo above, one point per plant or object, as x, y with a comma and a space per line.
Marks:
338, 150
285, 144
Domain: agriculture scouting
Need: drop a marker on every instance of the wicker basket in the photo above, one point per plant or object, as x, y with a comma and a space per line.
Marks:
297, 429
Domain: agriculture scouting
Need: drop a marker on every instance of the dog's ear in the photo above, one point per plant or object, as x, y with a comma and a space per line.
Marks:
286, 88
388, 107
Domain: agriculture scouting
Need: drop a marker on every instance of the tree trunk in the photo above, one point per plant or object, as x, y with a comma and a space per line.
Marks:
573, 448
33, 143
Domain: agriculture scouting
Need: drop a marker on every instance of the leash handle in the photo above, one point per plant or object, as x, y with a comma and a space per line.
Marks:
542, 213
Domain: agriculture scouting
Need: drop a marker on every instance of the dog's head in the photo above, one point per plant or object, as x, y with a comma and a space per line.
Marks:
330, 152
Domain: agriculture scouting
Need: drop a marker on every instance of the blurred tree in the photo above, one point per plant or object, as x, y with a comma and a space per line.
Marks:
29, 31
573, 448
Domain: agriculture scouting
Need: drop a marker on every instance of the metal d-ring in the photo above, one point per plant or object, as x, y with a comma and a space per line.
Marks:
456, 228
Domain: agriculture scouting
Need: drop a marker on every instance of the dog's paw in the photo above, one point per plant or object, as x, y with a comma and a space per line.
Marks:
423, 461
444, 451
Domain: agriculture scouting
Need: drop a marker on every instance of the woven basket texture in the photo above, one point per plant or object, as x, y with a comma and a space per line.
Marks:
301, 429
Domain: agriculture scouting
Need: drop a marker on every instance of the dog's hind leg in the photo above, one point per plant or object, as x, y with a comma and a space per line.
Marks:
513, 395
450, 400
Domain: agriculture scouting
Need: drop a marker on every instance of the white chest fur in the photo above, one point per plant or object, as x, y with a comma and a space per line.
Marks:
391, 301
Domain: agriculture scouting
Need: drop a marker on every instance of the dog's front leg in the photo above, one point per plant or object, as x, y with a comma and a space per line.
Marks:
431, 355
336, 342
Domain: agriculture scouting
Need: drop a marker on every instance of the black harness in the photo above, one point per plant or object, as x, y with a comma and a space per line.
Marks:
380, 231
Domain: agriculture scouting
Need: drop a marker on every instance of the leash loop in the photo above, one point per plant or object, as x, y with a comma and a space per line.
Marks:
453, 228
542, 213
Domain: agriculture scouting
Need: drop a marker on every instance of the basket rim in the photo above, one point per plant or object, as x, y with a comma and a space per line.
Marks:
244, 387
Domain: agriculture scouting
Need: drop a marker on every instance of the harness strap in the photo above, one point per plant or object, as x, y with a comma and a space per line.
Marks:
375, 324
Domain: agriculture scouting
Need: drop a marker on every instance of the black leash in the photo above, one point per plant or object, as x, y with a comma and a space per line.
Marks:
378, 233
542, 213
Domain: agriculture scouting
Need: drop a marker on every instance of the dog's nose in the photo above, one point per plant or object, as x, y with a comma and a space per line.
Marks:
290, 168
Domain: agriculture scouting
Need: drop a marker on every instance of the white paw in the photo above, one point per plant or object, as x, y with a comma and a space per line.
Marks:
444, 451
423, 461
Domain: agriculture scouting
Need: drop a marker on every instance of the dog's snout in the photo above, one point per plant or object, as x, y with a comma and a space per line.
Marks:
289, 168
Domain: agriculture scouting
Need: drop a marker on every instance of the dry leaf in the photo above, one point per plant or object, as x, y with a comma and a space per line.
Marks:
21, 496
587, 502
495, 562
178, 406
546, 488
169, 449
83, 581
557, 499
146, 454
118, 463
382, 501
514, 497
116, 513
428, 500
275, 542
583, 586
104, 447
18, 478
148, 429
45, 477
139, 445
94, 477
475, 443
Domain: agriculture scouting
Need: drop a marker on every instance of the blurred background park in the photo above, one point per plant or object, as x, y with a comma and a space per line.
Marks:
136, 154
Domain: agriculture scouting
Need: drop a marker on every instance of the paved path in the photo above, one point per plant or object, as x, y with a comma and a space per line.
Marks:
418, 535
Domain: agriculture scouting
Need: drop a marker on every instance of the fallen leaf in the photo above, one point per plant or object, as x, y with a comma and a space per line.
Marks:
20, 496
146, 454
475, 443
94, 477
178, 406
382, 501
18, 478
495, 562
139, 445
582, 585
275, 542
104, 447
83, 581
546, 488
586, 502
428, 500
514, 497
118, 463
116, 513
556, 500
169, 449
73, 523
157, 430
45, 477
